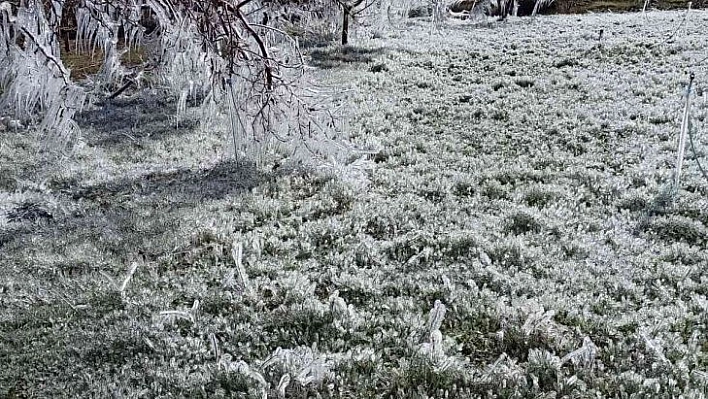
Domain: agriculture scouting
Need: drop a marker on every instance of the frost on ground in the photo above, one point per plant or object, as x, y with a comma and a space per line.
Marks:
511, 239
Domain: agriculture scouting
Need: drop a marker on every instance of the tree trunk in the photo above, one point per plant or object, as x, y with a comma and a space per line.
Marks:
345, 24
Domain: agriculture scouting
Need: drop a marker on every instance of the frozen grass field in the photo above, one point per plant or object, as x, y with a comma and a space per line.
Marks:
511, 238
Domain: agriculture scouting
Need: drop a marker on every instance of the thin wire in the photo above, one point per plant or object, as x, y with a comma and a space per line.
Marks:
695, 154
680, 25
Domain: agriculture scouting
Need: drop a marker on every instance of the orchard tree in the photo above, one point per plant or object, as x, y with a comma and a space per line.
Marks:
309, 15
217, 53
350, 8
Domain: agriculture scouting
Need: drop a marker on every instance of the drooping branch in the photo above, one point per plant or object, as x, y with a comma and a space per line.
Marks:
49, 57
268, 68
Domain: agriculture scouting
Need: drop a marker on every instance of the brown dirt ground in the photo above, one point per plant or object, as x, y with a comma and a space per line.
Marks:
84, 63
584, 6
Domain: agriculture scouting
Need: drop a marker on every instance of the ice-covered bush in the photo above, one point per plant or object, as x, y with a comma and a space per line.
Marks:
211, 54
33, 78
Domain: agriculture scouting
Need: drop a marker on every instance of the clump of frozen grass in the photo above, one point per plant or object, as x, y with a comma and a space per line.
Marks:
308, 366
539, 196
249, 375
655, 351
504, 375
344, 316
584, 356
430, 364
239, 270
123, 286
436, 316
172, 316
354, 174
522, 222
544, 369
680, 229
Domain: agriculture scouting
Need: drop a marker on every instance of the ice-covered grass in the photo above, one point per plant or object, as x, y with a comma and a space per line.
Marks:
510, 239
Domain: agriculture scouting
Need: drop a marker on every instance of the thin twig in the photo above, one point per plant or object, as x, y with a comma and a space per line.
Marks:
264, 51
121, 90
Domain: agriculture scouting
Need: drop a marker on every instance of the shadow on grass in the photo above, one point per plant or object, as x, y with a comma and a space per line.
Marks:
11, 234
309, 40
134, 118
333, 57
136, 214
179, 186
106, 227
